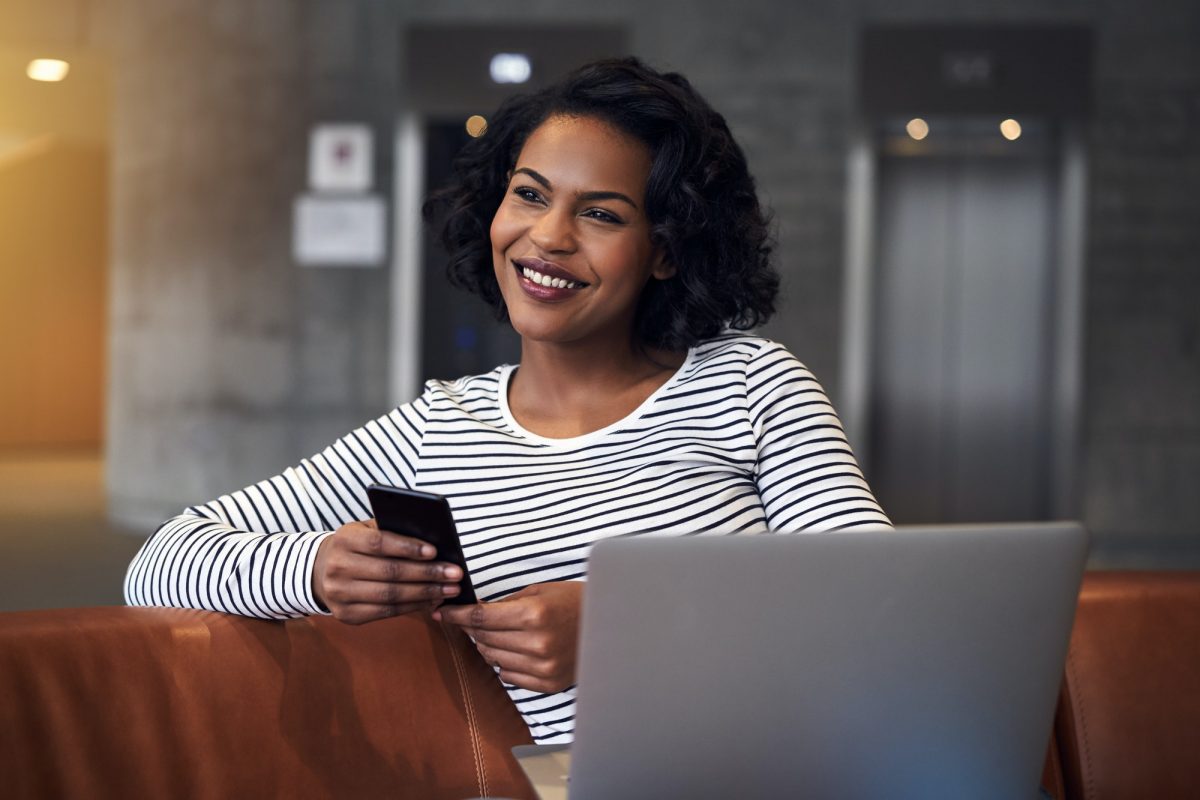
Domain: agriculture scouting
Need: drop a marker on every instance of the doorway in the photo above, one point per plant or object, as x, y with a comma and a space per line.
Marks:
459, 333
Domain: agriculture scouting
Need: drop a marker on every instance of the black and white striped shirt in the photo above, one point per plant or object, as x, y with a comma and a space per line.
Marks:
740, 440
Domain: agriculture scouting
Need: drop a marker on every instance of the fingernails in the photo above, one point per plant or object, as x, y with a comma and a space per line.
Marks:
428, 551
450, 589
451, 573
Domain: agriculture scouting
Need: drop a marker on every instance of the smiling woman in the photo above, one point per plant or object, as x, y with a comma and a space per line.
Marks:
612, 220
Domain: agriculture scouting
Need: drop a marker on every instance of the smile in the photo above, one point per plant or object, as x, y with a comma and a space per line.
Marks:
546, 281
533, 275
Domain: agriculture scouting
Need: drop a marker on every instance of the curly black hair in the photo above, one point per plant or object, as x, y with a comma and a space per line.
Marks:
701, 201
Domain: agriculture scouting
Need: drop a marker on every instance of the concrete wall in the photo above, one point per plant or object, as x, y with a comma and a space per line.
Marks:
229, 362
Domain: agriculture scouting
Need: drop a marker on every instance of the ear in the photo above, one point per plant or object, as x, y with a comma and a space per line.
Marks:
661, 268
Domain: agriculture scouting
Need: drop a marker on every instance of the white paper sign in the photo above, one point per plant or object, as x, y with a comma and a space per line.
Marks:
339, 231
340, 158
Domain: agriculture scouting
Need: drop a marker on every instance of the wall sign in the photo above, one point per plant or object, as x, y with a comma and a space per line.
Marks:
331, 231
340, 158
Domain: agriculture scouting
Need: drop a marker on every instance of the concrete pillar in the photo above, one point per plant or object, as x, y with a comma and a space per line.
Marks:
228, 361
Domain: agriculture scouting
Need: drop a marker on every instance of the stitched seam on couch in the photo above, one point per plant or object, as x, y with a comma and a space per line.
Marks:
1089, 778
468, 702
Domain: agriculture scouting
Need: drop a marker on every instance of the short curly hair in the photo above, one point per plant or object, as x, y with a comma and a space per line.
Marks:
701, 201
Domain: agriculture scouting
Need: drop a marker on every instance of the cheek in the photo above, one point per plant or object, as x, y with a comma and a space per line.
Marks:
632, 260
504, 231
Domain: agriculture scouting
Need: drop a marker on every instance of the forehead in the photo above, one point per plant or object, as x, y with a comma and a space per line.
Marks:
586, 154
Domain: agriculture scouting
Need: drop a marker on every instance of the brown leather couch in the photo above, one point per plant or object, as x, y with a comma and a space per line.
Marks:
155, 702
131, 702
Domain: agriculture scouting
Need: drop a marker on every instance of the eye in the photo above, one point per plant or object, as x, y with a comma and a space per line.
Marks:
603, 216
527, 194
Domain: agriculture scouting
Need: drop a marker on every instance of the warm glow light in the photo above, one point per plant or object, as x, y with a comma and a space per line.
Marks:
510, 68
1010, 129
917, 128
476, 125
47, 69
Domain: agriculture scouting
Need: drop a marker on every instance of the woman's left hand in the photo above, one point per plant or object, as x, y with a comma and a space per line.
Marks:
531, 635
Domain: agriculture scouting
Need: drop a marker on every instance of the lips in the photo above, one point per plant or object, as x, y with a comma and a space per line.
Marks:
546, 282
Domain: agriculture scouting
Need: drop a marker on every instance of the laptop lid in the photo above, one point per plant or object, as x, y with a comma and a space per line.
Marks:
916, 663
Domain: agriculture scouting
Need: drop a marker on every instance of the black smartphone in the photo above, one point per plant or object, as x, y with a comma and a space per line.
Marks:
427, 517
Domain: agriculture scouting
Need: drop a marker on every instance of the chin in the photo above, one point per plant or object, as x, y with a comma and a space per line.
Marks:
533, 331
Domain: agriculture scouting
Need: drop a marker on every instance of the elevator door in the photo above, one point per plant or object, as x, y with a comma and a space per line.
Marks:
963, 343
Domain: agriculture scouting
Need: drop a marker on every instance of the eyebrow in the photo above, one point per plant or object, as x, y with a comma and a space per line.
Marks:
582, 195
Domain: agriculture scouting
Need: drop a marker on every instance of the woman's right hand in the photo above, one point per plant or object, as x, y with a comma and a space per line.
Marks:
362, 574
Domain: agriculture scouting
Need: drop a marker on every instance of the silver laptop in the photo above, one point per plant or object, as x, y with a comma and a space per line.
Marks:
916, 663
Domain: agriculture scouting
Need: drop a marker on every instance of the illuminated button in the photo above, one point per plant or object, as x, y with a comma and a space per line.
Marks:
917, 128
476, 125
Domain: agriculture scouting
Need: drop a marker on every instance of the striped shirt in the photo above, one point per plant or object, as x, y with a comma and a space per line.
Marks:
741, 439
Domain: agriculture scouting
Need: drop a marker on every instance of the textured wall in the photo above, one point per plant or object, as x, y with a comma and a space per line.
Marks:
1141, 465
229, 362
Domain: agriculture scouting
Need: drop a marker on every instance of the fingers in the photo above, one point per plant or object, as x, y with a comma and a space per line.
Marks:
538, 674
504, 615
538, 645
362, 573
368, 539
530, 637
518, 662
394, 570
382, 593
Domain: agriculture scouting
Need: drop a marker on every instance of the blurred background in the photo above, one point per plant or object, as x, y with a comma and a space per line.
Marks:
212, 262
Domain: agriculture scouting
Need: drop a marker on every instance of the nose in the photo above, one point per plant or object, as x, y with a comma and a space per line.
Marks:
554, 231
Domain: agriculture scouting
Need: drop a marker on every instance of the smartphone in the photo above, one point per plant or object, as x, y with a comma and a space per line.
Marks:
427, 517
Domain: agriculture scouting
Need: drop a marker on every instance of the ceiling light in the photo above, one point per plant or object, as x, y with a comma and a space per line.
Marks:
1010, 129
510, 68
47, 69
917, 128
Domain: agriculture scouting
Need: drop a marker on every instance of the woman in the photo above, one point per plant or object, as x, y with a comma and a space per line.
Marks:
612, 220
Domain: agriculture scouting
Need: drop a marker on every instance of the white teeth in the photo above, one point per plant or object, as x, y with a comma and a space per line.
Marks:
546, 280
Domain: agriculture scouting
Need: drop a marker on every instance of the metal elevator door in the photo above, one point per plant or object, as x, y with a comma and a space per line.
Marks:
963, 338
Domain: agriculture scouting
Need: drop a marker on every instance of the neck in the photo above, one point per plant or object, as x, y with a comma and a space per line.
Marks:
565, 390
576, 369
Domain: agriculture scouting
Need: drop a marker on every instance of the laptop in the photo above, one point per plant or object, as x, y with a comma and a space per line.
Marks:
915, 663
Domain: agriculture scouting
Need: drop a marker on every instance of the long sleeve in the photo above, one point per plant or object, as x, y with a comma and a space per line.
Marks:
807, 476
252, 552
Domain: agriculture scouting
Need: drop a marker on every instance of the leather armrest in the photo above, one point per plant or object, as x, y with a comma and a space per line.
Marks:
152, 702
1128, 721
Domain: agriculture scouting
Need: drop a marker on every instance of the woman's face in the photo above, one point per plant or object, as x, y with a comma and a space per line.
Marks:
570, 240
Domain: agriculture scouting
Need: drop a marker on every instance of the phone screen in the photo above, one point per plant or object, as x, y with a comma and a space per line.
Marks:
427, 517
